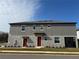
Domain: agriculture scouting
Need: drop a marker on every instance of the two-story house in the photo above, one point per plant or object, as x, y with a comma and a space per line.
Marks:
43, 33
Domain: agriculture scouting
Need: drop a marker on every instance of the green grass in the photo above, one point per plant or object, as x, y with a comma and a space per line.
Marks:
43, 49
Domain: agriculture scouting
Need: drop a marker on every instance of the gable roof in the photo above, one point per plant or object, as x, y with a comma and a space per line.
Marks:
43, 22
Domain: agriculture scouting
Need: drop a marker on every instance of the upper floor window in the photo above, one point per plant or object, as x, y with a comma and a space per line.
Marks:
23, 28
56, 40
46, 38
34, 27
38, 27
49, 26
41, 27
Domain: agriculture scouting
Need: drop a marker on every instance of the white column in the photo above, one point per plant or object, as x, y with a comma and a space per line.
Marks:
76, 43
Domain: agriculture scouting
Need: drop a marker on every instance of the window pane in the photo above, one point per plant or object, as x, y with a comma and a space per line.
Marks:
49, 25
23, 28
41, 27
57, 40
45, 38
33, 27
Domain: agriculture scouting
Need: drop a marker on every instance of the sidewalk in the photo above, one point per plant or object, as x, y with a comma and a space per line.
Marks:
40, 52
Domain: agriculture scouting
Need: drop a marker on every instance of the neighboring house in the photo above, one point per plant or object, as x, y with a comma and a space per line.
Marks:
78, 37
77, 33
43, 34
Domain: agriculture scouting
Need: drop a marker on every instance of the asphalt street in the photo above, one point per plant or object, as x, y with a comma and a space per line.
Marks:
38, 56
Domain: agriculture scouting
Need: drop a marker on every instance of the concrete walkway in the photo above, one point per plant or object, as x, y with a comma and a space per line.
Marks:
39, 52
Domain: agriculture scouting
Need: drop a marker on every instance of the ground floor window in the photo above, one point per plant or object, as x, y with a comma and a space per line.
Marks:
56, 40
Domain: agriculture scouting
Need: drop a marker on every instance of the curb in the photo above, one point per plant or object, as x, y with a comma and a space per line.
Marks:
40, 52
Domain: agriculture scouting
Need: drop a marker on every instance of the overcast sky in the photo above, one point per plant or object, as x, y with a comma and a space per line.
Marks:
27, 10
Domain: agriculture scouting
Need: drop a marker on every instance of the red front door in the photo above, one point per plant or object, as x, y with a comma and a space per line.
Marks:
39, 41
25, 42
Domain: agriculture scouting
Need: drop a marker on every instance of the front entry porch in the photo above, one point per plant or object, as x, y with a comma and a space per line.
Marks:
25, 41
38, 41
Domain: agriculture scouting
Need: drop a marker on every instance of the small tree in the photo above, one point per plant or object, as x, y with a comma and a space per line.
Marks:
3, 37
